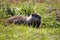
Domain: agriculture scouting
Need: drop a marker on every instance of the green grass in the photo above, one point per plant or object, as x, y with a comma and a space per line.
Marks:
23, 32
49, 29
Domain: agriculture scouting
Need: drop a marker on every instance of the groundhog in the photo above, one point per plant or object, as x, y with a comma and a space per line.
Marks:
33, 19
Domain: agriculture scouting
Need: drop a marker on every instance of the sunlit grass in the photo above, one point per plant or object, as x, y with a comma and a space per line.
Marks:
23, 32
48, 30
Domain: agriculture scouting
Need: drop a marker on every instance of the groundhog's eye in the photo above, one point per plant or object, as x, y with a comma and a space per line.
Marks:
39, 17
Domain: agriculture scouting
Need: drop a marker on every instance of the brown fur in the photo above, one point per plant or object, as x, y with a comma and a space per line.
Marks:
33, 19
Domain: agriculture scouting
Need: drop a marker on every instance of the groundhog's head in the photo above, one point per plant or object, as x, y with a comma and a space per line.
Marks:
36, 16
34, 19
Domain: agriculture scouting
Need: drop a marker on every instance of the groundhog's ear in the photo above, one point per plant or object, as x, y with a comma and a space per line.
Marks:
32, 14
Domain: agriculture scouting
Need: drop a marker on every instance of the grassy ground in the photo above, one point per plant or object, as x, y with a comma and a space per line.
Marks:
23, 32
49, 29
